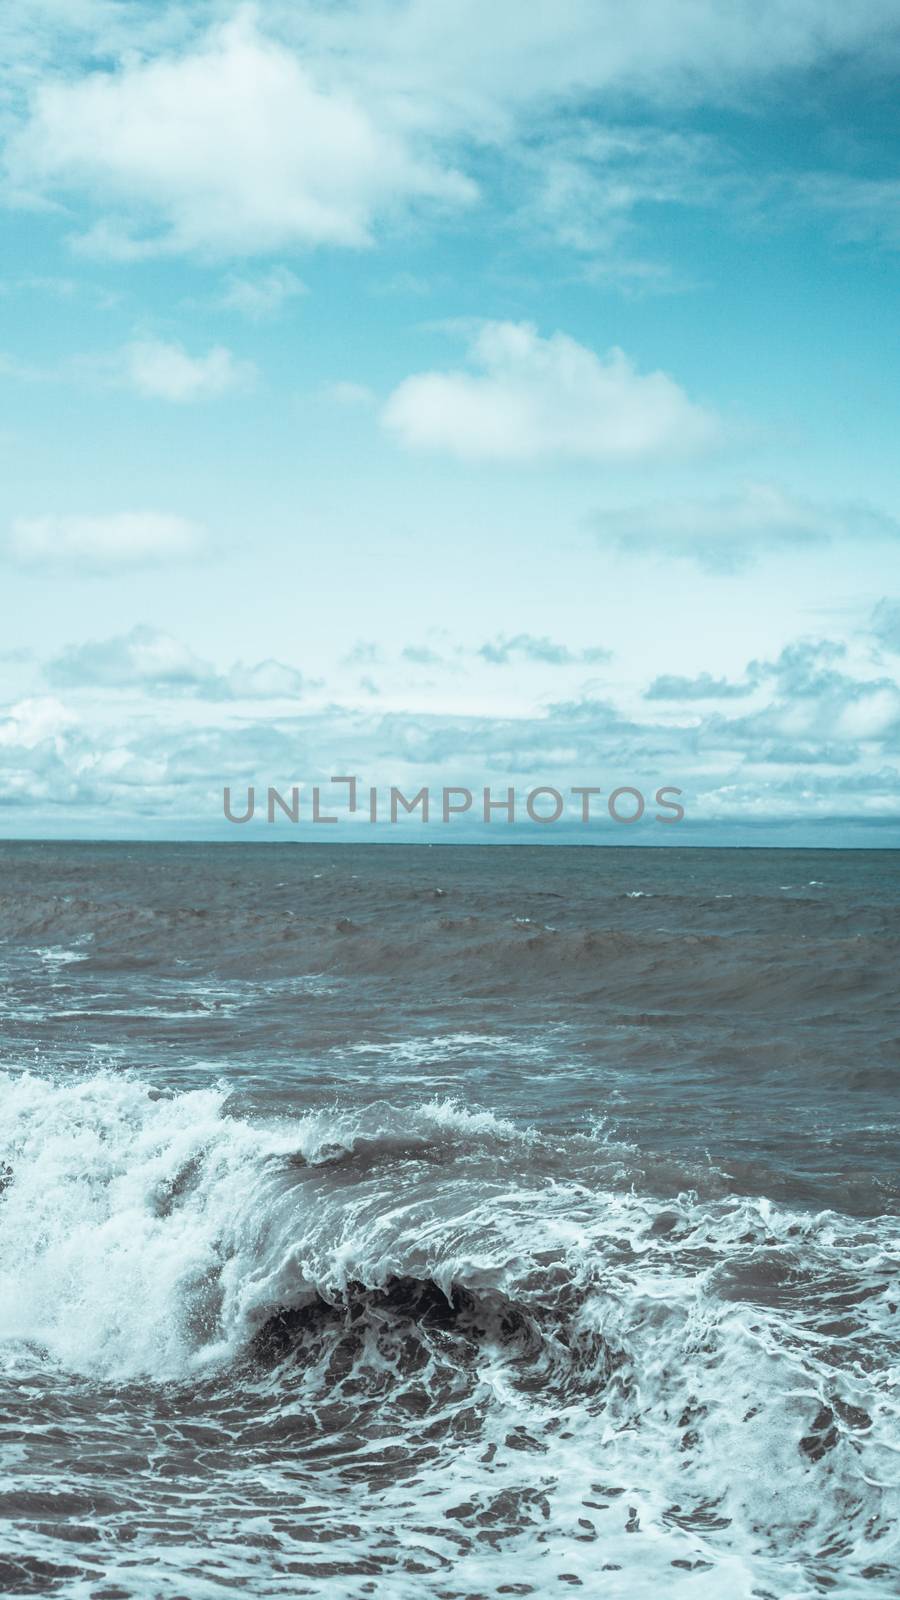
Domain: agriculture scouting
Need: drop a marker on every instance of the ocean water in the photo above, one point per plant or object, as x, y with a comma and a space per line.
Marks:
449, 1222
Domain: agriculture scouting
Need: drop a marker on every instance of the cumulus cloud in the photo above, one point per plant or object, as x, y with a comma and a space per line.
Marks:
263, 295
531, 398
816, 712
151, 660
30, 722
107, 543
266, 680
296, 125
229, 148
158, 369
165, 371
807, 669
821, 732
669, 686
41, 751
526, 647
144, 658
726, 534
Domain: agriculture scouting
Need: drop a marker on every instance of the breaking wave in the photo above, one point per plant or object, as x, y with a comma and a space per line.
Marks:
450, 1342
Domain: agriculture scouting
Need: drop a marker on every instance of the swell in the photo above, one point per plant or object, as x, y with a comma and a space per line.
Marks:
758, 950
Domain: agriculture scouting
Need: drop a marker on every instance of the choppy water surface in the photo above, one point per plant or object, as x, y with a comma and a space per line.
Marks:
448, 1222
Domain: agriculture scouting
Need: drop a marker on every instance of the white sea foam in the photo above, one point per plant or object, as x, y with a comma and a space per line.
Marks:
141, 1230
58, 956
689, 1346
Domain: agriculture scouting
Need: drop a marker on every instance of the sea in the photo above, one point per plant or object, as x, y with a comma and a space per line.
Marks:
444, 1222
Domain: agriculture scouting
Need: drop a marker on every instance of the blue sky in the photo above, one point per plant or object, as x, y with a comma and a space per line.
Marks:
444, 397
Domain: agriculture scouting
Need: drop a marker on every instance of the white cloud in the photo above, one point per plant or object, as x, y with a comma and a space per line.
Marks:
725, 534
526, 647
28, 723
267, 680
262, 296
460, 49
531, 398
298, 123
871, 716
822, 737
466, 54
230, 148
145, 658
156, 368
166, 371
674, 686
151, 660
125, 539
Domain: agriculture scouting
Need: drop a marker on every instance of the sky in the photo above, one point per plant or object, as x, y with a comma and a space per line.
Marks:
450, 395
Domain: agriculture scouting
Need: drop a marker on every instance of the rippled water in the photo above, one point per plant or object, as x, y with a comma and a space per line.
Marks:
448, 1222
